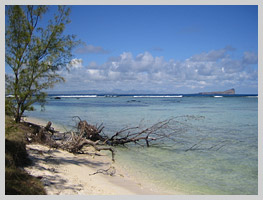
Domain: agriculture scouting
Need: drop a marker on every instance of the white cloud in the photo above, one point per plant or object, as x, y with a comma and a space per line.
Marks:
143, 62
113, 75
95, 74
75, 63
210, 56
144, 71
250, 58
213, 55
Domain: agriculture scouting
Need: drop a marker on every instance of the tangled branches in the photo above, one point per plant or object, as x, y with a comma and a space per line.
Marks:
90, 135
135, 135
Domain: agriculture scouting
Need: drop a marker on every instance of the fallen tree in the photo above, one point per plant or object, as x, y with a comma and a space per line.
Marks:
86, 134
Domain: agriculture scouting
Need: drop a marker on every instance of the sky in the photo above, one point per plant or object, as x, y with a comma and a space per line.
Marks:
163, 49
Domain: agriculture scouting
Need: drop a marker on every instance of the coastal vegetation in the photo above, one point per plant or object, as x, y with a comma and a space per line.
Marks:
17, 180
35, 51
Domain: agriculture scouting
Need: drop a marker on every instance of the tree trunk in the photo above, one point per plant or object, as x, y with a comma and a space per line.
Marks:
19, 113
18, 117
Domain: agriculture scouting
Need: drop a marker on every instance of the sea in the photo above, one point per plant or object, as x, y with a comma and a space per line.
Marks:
215, 146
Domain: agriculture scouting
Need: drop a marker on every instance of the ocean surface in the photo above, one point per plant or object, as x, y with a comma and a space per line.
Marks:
216, 143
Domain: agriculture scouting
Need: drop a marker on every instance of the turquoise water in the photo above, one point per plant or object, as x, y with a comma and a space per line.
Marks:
228, 124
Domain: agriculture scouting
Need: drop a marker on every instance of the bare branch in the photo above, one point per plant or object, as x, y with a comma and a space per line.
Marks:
110, 171
90, 135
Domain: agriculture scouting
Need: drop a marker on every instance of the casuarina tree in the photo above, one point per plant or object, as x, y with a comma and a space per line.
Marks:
36, 49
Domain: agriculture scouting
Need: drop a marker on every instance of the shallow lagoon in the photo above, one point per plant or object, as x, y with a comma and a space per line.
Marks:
229, 122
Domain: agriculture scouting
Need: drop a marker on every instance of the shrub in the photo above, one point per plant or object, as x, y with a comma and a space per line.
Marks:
17, 180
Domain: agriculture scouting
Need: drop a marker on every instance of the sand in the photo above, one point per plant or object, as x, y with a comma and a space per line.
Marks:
64, 173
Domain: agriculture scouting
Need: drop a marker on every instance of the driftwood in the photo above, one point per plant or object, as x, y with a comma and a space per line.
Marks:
215, 147
42, 134
136, 134
89, 131
83, 137
36, 128
110, 171
76, 143
90, 135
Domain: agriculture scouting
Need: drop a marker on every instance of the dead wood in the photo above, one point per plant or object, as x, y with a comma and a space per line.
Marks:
198, 146
77, 142
42, 134
110, 171
89, 131
157, 131
90, 135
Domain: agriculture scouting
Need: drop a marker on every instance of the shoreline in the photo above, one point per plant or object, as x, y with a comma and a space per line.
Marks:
43, 122
65, 173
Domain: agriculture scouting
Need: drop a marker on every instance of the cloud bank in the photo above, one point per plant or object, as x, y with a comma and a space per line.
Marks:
213, 69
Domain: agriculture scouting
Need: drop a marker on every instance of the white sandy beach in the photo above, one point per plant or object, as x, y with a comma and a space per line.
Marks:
65, 173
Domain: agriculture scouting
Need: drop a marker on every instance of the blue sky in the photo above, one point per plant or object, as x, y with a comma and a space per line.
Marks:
164, 49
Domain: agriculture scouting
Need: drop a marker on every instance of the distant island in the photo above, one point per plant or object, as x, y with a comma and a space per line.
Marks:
231, 91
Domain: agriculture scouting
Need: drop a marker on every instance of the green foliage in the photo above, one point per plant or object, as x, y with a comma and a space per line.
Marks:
9, 107
17, 181
15, 143
35, 52
16, 153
